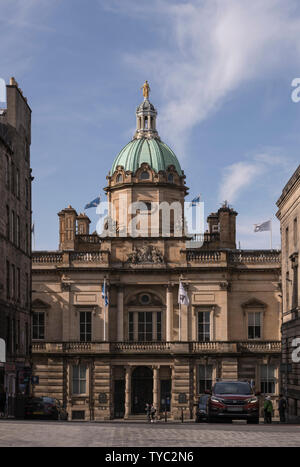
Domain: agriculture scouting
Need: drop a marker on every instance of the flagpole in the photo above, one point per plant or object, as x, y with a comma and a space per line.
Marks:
179, 322
271, 232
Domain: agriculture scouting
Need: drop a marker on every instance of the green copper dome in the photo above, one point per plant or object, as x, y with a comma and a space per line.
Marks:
152, 151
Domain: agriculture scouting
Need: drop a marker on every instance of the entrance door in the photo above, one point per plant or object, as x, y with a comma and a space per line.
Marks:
119, 399
142, 389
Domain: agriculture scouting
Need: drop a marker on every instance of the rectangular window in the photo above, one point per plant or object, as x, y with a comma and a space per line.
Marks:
18, 286
18, 183
85, 326
27, 289
254, 325
26, 193
18, 233
130, 326
79, 379
145, 326
13, 281
295, 232
203, 326
267, 379
287, 241
7, 279
158, 326
204, 378
38, 325
7, 171
12, 227
7, 223
12, 178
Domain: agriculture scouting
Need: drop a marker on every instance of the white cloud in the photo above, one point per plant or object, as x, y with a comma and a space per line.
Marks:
210, 48
237, 177
243, 175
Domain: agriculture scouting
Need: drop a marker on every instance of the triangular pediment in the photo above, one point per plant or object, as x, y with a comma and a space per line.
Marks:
38, 303
254, 303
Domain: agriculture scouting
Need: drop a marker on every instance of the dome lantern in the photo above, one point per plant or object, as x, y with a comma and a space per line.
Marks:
146, 117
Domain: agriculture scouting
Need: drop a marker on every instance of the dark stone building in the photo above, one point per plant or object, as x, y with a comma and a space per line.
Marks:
15, 241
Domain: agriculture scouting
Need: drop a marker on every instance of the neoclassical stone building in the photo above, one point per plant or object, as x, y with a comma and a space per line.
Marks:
106, 362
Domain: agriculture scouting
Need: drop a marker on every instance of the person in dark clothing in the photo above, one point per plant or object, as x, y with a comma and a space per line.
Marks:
148, 412
153, 412
282, 408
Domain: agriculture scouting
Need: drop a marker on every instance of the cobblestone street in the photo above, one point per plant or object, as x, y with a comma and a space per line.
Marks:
140, 434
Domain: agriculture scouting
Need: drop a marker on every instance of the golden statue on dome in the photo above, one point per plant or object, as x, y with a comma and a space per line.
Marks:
146, 90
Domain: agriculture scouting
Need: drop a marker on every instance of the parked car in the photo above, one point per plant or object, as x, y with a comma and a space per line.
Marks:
201, 412
233, 400
45, 407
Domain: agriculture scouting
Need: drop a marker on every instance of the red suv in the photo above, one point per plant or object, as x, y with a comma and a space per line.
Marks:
233, 400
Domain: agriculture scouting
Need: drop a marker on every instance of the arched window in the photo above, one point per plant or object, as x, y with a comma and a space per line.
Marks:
145, 176
119, 178
170, 178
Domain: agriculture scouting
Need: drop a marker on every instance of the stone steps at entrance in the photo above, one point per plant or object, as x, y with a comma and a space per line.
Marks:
137, 417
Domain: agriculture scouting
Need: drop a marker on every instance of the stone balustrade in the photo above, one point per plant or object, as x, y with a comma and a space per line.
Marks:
237, 347
255, 256
47, 258
87, 257
203, 256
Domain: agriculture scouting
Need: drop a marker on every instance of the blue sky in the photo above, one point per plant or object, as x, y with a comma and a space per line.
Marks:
220, 73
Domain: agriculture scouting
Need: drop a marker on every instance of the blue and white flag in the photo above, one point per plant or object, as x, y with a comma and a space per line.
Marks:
195, 201
183, 298
265, 226
104, 293
93, 204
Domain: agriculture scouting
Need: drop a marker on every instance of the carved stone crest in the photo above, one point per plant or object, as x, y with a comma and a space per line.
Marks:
146, 254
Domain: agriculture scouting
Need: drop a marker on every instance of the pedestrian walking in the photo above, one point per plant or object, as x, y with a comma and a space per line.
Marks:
153, 412
282, 406
2, 401
268, 409
148, 412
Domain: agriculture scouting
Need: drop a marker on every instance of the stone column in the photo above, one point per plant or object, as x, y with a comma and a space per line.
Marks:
169, 314
120, 315
127, 391
156, 387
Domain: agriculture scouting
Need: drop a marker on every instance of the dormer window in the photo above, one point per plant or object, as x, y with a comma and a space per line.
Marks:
145, 176
119, 178
170, 178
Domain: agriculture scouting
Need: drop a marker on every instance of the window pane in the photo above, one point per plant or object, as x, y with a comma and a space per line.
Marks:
257, 319
82, 371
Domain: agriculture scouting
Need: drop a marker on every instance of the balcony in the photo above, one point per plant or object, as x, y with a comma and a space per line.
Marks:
66, 258
186, 348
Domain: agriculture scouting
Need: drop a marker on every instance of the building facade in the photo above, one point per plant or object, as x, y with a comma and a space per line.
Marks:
289, 216
107, 358
15, 241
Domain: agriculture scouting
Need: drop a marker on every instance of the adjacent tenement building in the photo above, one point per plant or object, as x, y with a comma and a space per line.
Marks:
107, 358
15, 240
289, 216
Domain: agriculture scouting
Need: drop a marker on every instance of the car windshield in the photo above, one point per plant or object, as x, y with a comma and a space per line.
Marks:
233, 388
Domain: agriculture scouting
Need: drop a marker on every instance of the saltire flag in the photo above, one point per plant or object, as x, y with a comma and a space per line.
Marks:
183, 298
93, 204
104, 293
195, 200
265, 226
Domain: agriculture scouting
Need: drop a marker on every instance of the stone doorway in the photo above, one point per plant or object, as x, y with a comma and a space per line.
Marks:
142, 389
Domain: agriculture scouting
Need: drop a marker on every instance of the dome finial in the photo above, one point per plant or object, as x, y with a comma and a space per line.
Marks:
146, 90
